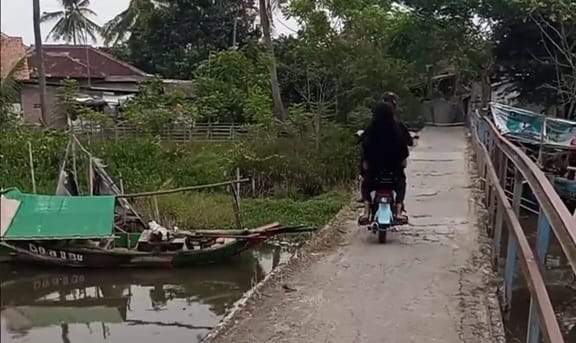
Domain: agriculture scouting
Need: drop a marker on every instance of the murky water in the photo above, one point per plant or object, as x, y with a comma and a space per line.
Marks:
86, 306
564, 303
556, 277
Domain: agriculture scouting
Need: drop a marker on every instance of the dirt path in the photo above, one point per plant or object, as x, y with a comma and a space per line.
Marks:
425, 285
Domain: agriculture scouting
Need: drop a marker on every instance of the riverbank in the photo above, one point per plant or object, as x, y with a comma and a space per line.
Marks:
429, 283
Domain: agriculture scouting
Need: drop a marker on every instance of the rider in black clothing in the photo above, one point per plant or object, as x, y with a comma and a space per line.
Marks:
393, 99
384, 151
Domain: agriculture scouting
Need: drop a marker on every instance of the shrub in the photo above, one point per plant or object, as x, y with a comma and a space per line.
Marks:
290, 166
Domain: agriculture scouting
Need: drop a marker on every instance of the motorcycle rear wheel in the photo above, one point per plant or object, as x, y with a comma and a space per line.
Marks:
382, 236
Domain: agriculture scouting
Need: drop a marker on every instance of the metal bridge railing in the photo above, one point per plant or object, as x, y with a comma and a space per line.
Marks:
494, 155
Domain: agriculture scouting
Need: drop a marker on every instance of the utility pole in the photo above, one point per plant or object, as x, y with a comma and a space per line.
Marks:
40, 62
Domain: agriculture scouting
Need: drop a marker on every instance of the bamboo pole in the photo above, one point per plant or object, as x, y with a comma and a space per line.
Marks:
75, 165
31, 162
156, 207
236, 204
238, 177
541, 147
91, 175
65, 161
183, 189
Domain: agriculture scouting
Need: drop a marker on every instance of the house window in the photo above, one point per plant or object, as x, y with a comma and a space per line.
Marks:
36, 105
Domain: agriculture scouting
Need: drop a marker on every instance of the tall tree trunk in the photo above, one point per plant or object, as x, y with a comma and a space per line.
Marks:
274, 84
40, 56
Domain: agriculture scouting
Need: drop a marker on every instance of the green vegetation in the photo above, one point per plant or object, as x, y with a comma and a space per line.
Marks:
214, 210
293, 178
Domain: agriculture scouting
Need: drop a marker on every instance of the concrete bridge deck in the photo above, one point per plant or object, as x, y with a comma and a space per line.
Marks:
426, 285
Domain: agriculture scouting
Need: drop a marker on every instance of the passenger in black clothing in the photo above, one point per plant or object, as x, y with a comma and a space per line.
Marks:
384, 150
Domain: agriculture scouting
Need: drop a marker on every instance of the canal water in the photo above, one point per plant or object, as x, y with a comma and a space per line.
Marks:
88, 306
559, 283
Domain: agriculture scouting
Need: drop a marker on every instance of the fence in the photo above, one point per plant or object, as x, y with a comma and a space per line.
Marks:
494, 155
177, 132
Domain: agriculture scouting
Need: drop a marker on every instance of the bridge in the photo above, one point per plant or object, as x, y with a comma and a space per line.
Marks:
450, 276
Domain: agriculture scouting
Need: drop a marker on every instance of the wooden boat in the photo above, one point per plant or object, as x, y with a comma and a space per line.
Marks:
79, 231
104, 230
546, 140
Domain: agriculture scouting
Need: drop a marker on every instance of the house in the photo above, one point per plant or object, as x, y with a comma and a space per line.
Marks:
444, 101
12, 51
98, 74
102, 77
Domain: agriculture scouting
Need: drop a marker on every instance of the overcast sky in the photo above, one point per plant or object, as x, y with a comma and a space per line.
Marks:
16, 16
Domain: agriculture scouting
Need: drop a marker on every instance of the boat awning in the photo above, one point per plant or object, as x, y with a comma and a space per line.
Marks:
52, 217
528, 126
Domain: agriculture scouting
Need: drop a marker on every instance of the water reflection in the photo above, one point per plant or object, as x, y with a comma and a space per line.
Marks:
87, 306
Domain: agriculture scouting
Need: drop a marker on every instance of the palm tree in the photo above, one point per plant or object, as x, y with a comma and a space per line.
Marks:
73, 23
266, 8
116, 30
40, 54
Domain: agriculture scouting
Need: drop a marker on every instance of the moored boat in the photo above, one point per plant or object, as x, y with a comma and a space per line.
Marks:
80, 231
548, 141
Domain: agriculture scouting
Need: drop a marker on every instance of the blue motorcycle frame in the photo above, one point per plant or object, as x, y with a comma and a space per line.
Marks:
383, 219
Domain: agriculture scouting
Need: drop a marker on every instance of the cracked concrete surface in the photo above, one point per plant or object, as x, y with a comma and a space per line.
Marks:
428, 284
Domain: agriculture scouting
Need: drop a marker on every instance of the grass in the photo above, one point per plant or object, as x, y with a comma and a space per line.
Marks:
215, 211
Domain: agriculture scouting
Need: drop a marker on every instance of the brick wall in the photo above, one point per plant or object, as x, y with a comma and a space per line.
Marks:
12, 49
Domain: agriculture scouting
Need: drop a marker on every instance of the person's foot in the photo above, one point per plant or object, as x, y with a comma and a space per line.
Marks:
364, 220
402, 219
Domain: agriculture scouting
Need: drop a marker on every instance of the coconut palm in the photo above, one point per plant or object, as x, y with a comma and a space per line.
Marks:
73, 23
266, 8
117, 29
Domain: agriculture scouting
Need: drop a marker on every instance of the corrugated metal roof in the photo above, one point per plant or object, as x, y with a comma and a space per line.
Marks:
83, 61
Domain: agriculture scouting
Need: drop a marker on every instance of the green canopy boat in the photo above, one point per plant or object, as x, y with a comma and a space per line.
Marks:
104, 230
79, 231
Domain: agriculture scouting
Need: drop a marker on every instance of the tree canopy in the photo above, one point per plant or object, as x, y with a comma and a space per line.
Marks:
173, 40
346, 54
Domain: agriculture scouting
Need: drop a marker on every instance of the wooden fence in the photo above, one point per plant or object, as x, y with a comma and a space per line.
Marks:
175, 132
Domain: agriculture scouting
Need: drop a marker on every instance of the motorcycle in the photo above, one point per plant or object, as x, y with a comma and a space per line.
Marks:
383, 218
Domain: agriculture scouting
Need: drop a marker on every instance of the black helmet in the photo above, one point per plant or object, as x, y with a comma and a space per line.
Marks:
391, 98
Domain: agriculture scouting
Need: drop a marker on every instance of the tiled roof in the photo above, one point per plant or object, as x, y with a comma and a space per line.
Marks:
61, 61
12, 49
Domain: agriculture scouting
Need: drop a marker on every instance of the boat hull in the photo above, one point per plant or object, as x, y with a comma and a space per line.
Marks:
37, 253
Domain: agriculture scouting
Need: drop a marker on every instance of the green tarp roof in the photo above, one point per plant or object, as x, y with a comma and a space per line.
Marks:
44, 217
